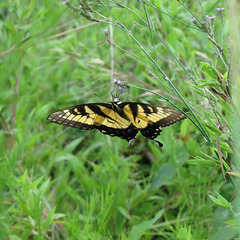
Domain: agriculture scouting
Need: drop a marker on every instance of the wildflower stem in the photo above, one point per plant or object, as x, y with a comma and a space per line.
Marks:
159, 10
112, 54
150, 27
190, 12
175, 57
200, 3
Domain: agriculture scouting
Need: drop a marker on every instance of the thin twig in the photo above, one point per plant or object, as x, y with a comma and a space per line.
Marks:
112, 56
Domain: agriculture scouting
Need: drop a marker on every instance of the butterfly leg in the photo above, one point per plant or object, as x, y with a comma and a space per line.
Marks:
129, 143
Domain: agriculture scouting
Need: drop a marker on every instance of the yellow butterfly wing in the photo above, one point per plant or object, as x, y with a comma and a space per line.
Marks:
100, 116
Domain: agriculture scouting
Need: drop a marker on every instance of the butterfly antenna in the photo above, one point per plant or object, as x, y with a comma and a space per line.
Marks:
100, 97
112, 92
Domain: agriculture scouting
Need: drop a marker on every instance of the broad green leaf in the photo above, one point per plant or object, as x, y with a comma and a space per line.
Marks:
36, 183
213, 128
225, 76
49, 218
202, 161
14, 237
163, 176
221, 201
124, 212
226, 147
73, 144
138, 230
215, 200
209, 71
44, 187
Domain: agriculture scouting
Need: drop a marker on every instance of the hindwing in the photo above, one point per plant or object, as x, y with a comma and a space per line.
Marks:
95, 115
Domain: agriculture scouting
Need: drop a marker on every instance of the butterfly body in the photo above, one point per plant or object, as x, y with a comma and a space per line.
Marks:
118, 119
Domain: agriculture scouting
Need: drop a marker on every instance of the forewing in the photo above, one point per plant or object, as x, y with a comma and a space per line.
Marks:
95, 115
141, 115
80, 116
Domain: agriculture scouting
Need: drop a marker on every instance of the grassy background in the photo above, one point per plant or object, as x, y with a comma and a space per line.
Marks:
61, 183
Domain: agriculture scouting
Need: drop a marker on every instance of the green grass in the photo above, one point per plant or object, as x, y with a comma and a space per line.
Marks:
61, 183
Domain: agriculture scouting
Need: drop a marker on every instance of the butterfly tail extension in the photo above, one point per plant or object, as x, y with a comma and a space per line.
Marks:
151, 132
159, 143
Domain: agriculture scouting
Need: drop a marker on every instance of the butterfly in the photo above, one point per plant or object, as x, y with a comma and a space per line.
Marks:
120, 119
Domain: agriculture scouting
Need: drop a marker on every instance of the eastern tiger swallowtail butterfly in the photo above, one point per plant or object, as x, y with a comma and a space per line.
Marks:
120, 119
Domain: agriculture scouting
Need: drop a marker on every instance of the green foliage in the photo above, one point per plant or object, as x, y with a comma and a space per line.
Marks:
59, 183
